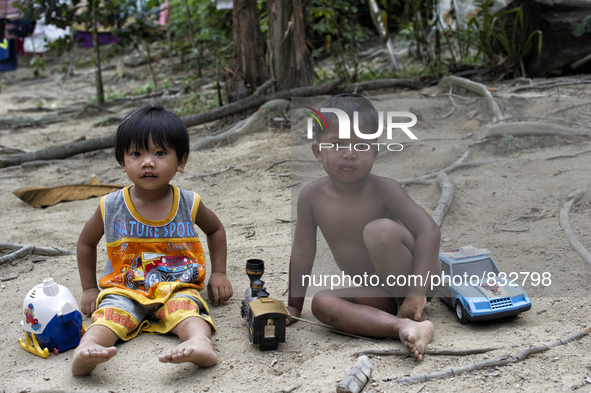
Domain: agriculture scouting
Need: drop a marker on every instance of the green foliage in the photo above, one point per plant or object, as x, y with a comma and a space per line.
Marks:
504, 50
37, 63
338, 22
195, 103
485, 40
145, 89
580, 28
212, 29
507, 140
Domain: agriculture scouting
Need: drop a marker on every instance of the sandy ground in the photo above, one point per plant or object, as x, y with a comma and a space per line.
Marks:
249, 199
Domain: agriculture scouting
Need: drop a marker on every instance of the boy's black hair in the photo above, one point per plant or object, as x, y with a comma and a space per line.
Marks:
349, 103
152, 121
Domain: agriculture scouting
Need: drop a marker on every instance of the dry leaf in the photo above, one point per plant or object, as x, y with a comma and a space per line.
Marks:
49, 196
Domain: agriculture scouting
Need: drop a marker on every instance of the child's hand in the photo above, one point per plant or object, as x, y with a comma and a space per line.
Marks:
219, 288
88, 301
294, 312
412, 308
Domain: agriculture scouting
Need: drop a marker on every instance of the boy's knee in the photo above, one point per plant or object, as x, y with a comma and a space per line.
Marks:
382, 231
320, 304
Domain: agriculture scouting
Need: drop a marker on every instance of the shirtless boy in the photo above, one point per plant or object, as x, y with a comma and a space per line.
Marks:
155, 265
372, 227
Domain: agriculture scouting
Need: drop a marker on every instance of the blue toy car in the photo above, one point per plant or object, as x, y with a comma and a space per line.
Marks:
473, 287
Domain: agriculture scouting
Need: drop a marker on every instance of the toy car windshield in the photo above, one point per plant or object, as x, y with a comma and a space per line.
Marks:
476, 268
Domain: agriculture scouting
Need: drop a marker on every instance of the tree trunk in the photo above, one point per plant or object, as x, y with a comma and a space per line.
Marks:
290, 61
100, 95
248, 49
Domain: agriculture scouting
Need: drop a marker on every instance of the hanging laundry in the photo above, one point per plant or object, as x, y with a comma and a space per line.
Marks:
8, 58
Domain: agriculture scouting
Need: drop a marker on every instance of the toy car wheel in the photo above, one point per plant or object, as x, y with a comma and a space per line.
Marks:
153, 278
186, 276
129, 281
461, 313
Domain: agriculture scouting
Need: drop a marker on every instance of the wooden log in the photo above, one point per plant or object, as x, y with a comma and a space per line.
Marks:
59, 152
357, 377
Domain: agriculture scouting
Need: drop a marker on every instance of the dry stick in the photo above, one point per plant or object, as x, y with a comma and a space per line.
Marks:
477, 88
357, 377
527, 128
210, 174
254, 122
542, 118
514, 230
432, 351
568, 155
48, 251
563, 219
288, 160
331, 328
568, 108
447, 194
548, 85
496, 362
21, 253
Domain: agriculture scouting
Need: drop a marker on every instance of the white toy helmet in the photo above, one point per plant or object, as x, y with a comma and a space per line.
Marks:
52, 318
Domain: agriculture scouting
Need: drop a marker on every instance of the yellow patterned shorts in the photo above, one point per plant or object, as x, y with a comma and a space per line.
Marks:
128, 313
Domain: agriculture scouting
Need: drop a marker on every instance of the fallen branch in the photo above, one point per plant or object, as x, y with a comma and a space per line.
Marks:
527, 128
432, 352
496, 362
59, 152
514, 230
20, 253
477, 88
257, 99
357, 377
21, 122
447, 194
568, 155
48, 251
254, 122
563, 219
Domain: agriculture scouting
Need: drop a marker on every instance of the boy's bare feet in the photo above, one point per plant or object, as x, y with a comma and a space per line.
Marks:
197, 350
415, 336
87, 357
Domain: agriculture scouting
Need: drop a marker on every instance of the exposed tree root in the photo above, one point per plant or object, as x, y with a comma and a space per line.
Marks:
496, 362
568, 155
257, 99
563, 219
477, 88
447, 194
527, 128
243, 127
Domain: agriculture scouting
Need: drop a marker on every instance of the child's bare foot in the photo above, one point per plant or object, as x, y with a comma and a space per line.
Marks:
415, 336
87, 357
197, 350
